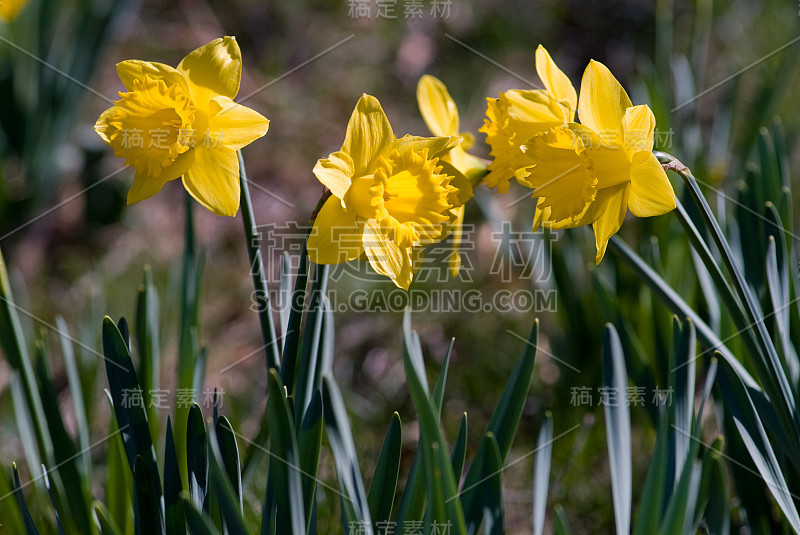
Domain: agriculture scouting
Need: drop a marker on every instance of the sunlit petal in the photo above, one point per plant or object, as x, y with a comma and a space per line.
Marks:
213, 180
651, 191
216, 67
386, 257
368, 133
233, 125
602, 103
336, 235
612, 208
557, 83
437, 107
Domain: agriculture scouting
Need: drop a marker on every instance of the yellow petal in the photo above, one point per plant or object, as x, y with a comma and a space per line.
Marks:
103, 128
603, 102
611, 208
9, 9
465, 162
638, 127
460, 181
368, 133
336, 235
454, 261
136, 69
145, 186
234, 125
216, 66
651, 191
437, 107
437, 146
557, 83
213, 180
386, 257
335, 172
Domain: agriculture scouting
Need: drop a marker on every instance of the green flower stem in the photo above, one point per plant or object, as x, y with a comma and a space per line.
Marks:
257, 271
777, 384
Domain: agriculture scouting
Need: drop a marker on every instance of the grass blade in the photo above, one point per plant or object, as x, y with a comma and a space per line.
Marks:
337, 428
30, 528
197, 456
173, 505
387, 468
618, 430
541, 473
285, 462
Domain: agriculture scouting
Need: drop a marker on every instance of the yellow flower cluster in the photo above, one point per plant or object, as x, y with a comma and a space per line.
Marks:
388, 197
590, 173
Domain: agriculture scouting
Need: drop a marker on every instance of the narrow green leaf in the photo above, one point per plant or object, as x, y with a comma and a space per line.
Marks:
483, 500
229, 505
148, 345
434, 457
618, 429
173, 505
682, 379
197, 523
505, 419
387, 468
652, 502
52, 500
147, 508
197, 456
76, 497
285, 461
307, 367
25, 425
541, 473
560, 522
755, 439
12, 514
678, 518
337, 427
438, 390
503, 426
309, 442
459, 454
76, 390
30, 528
285, 294
229, 452
12, 340
291, 336
106, 523
119, 477
716, 487
131, 416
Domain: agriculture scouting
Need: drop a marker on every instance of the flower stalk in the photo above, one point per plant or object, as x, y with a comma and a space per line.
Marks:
260, 289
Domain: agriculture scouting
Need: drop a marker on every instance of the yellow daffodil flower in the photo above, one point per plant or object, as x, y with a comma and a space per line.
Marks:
594, 172
182, 122
388, 196
519, 114
9, 9
439, 111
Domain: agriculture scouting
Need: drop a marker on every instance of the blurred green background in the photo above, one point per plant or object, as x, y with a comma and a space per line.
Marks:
75, 249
